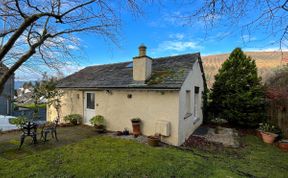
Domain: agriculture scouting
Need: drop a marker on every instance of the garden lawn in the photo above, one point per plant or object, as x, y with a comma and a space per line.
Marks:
104, 156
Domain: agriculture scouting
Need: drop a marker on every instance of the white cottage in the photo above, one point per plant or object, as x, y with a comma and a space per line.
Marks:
165, 93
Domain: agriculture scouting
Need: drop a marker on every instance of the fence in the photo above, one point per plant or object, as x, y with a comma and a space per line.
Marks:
278, 115
29, 113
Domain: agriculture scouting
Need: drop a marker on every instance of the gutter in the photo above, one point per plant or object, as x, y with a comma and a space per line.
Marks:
120, 88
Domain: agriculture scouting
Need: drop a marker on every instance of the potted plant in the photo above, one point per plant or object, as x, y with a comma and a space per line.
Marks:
125, 131
154, 140
136, 122
98, 123
283, 144
267, 132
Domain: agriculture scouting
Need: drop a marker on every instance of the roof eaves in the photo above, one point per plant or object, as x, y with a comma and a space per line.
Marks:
121, 88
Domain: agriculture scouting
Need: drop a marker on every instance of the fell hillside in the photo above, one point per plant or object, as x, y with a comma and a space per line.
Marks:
266, 62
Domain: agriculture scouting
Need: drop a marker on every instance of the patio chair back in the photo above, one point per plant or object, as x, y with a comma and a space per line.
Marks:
52, 129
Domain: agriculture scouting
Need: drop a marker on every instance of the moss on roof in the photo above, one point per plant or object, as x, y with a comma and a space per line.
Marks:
167, 72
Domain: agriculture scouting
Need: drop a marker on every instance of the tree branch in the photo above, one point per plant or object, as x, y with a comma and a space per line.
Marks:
21, 60
77, 7
19, 9
6, 32
27, 22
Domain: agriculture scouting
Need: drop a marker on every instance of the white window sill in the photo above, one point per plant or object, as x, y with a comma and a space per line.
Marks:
195, 120
187, 115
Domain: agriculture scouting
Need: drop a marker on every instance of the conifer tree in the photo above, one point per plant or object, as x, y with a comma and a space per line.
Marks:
237, 94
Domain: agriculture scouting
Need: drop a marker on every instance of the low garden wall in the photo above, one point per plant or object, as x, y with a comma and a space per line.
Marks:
29, 113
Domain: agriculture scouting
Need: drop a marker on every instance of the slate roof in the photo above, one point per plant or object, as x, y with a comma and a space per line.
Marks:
167, 73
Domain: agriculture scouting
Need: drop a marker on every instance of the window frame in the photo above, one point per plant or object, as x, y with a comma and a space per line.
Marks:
188, 106
196, 100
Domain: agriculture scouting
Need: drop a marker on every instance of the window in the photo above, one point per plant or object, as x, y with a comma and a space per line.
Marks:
90, 101
188, 102
196, 101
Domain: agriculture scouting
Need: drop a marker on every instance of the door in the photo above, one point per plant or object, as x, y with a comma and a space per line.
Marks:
89, 106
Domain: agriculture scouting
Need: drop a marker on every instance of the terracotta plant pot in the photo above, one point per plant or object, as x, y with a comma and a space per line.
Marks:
268, 137
136, 128
125, 132
283, 145
153, 141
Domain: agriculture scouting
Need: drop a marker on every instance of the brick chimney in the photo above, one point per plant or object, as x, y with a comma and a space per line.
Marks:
142, 66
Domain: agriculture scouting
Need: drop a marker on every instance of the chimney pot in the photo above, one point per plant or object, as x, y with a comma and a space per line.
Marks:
142, 50
142, 66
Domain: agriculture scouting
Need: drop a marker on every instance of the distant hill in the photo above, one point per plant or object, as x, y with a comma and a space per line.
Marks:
266, 62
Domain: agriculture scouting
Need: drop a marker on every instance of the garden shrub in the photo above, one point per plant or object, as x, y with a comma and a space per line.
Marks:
18, 121
237, 94
74, 119
277, 97
205, 105
97, 120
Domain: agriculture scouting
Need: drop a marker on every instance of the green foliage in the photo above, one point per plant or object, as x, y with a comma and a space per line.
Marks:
266, 127
31, 106
47, 89
74, 119
97, 120
18, 121
136, 119
205, 105
237, 94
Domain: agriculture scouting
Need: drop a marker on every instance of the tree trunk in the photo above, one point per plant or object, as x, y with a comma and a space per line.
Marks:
11, 71
1, 88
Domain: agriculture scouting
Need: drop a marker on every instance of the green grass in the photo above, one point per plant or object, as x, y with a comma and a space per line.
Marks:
104, 156
30, 106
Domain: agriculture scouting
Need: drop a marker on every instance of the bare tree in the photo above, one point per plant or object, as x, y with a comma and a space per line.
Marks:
45, 29
250, 16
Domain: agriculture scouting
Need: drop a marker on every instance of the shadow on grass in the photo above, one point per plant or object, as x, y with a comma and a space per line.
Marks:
9, 142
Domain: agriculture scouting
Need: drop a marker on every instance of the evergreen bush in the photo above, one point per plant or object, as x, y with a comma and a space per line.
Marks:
237, 94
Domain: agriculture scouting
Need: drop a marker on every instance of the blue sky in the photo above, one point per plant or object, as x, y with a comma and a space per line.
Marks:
165, 35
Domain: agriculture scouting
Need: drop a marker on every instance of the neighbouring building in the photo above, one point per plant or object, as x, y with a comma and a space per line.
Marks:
7, 96
165, 93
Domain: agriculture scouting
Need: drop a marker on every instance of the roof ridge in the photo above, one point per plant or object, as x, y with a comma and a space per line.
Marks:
151, 58
108, 64
181, 55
